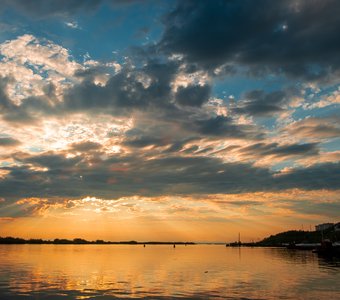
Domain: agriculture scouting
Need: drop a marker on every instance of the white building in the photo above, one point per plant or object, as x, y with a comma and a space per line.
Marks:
324, 226
337, 227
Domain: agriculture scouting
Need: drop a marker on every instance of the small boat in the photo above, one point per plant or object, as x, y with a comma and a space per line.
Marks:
328, 248
303, 246
307, 246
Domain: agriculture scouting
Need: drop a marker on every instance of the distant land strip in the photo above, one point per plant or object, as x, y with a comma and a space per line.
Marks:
79, 241
277, 240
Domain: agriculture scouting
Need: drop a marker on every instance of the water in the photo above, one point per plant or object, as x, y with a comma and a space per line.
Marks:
162, 272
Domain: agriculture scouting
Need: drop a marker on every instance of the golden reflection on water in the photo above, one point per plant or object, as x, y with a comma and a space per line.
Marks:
195, 271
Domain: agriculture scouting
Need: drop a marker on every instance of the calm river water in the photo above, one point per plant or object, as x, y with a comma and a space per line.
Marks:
162, 272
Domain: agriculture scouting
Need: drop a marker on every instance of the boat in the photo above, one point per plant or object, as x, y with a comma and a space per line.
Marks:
328, 248
303, 246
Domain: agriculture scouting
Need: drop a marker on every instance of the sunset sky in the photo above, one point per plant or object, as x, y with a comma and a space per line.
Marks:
168, 120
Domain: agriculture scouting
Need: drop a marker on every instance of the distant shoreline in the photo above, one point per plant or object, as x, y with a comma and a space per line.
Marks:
78, 241
277, 240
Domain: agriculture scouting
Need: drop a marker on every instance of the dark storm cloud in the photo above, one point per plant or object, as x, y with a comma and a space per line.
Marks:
30, 109
274, 149
159, 135
127, 176
225, 127
178, 145
149, 89
126, 90
5, 103
86, 146
319, 176
258, 103
294, 149
119, 176
8, 109
8, 142
193, 95
144, 141
299, 38
49, 160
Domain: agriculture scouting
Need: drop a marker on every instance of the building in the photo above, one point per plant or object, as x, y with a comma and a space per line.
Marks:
337, 227
324, 226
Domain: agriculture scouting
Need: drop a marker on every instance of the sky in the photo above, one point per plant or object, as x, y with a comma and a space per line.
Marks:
168, 120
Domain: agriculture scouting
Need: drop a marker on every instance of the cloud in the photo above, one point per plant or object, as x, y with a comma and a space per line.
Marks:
260, 150
73, 25
162, 135
318, 176
8, 142
314, 128
54, 175
297, 38
86, 146
151, 134
43, 9
128, 89
326, 100
193, 95
40, 54
258, 103
52, 161
51, 8
328, 209
144, 141
150, 90
271, 154
294, 202
224, 126
35, 73
65, 87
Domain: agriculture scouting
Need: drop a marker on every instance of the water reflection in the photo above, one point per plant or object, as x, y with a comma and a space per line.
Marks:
292, 256
329, 262
305, 257
200, 272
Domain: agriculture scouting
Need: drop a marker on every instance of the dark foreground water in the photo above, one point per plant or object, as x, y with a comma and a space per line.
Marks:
162, 272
